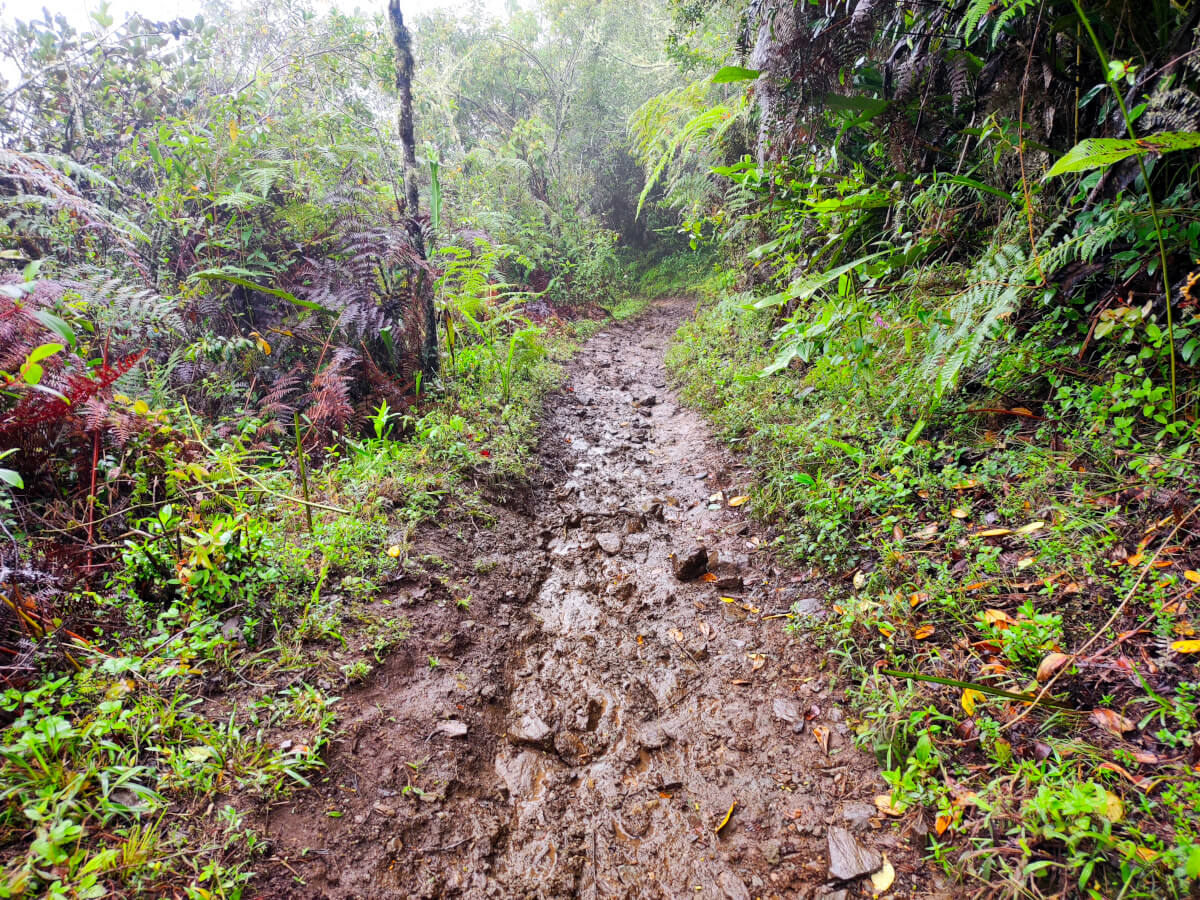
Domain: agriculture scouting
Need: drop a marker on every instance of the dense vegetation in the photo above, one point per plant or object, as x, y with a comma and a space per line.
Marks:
947, 251
954, 328
220, 416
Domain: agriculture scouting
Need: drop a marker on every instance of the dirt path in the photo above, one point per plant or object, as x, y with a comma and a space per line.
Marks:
592, 718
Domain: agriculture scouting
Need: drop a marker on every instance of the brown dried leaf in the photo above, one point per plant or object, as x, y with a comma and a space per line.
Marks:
1110, 721
1051, 664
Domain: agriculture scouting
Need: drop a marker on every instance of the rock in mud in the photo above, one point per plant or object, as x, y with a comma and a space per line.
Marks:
610, 542
691, 564
848, 859
453, 728
788, 710
531, 729
732, 886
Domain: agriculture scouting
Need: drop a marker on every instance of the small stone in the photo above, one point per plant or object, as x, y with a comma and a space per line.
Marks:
610, 542
788, 710
531, 729
453, 728
848, 859
384, 810
732, 886
770, 852
648, 400
858, 814
691, 565
287, 745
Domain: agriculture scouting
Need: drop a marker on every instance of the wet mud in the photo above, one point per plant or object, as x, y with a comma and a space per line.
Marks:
620, 712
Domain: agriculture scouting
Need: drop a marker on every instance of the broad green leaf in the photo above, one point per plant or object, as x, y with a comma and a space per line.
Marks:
12, 478
44, 351
731, 74
1096, 152
57, 325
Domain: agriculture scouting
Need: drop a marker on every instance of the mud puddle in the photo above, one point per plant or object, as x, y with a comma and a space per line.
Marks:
621, 684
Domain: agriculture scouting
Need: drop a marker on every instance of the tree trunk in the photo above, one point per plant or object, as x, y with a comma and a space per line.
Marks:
402, 41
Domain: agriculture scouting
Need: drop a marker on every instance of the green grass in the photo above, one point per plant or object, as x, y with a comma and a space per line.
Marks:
226, 584
929, 539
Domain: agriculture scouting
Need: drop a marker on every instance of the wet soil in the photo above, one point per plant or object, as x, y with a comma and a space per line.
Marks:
592, 719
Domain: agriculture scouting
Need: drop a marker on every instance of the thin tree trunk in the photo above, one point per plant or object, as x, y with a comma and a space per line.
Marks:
402, 41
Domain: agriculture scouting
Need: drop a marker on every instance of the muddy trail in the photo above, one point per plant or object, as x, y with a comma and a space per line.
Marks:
619, 683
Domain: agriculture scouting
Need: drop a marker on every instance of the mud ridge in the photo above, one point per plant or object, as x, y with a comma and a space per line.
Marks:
620, 683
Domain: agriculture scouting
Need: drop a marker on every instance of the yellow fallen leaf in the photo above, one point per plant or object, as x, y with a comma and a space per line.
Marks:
993, 532
728, 600
883, 803
728, 816
394, 551
1186, 646
917, 597
1192, 575
923, 632
966, 485
738, 501
1031, 528
959, 513
1145, 853
882, 880
942, 823
969, 698
1114, 809
141, 407
997, 617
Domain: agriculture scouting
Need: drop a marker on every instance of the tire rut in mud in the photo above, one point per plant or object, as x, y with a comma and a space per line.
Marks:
597, 718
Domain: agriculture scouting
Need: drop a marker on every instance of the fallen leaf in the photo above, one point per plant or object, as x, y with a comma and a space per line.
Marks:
969, 698
821, 733
1111, 721
975, 585
993, 532
997, 618
959, 513
729, 600
740, 681
993, 668
942, 823
728, 816
738, 501
1114, 809
1145, 853
1186, 646
882, 880
1025, 562
1192, 575
708, 577
394, 551
1051, 664
923, 632
1031, 528
757, 661
966, 485
860, 580
883, 803
704, 628
927, 532
917, 597
676, 634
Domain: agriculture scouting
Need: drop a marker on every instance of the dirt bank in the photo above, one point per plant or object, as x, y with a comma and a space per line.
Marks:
592, 719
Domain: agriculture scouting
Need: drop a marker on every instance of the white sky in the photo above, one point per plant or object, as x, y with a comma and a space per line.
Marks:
76, 11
